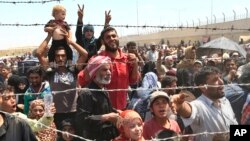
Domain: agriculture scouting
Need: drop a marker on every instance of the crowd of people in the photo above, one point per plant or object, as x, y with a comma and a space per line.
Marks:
118, 94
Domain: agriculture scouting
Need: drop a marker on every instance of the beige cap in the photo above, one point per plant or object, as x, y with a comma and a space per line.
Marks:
157, 94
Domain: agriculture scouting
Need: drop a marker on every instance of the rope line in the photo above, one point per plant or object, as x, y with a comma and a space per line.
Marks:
140, 89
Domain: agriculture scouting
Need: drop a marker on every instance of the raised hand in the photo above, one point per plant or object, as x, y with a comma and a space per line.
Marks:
80, 11
66, 35
176, 102
132, 59
107, 17
161, 52
53, 108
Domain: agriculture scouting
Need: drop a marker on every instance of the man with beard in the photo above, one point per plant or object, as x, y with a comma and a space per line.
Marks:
125, 68
124, 71
93, 106
62, 79
38, 87
211, 112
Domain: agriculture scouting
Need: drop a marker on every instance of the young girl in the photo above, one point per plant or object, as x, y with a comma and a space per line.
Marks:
59, 29
130, 126
36, 112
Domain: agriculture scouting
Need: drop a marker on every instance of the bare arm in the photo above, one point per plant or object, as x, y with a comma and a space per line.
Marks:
134, 75
159, 67
42, 52
179, 105
83, 54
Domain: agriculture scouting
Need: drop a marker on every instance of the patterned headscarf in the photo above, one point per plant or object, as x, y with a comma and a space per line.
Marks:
47, 134
95, 63
33, 104
126, 117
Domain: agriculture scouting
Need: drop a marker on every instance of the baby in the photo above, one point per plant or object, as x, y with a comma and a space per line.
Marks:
59, 28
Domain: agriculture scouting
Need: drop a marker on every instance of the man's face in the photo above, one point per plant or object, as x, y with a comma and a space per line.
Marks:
172, 91
215, 89
193, 54
103, 75
153, 47
169, 62
132, 49
111, 41
8, 102
60, 57
35, 79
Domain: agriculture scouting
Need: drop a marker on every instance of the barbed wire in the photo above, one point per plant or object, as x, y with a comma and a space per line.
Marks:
153, 139
137, 26
30, 1
129, 62
139, 89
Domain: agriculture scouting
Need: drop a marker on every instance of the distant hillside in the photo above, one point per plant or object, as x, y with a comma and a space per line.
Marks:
16, 51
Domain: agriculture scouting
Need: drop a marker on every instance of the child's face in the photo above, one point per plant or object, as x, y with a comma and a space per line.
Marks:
133, 129
21, 86
68, 129
60, 15
160, 107
38, 111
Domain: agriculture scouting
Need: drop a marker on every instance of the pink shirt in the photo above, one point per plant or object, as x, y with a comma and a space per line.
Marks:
121, 79
151, 128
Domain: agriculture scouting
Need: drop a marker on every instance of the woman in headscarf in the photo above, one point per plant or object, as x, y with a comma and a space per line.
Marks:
37, 110
130, 126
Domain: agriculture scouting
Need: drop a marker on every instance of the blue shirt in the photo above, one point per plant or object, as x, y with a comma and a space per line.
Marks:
206, 117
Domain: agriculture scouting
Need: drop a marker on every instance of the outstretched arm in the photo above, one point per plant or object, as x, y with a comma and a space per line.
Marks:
83, 54
179, 105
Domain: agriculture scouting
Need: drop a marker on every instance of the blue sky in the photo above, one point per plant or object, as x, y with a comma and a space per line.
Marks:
124, 12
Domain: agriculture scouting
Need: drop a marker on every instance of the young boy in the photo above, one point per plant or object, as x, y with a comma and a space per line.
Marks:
59, 29
160, 108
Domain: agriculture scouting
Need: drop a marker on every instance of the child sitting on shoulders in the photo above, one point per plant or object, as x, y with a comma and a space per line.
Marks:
59, 28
